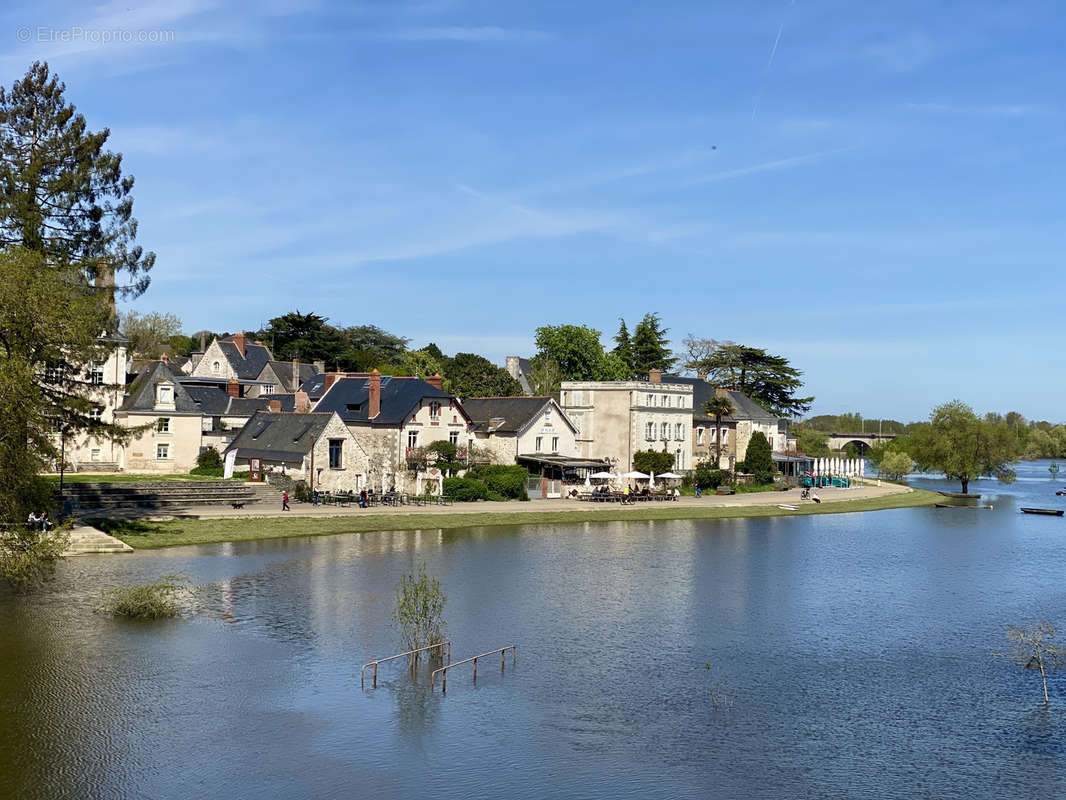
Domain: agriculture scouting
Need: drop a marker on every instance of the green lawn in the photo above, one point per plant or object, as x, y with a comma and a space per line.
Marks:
150, 535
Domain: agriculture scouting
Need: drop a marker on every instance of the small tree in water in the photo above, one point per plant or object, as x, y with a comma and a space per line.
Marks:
1032, 648
419, 610
1053, 469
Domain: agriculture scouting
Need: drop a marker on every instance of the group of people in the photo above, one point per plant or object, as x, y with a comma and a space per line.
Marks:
39, 523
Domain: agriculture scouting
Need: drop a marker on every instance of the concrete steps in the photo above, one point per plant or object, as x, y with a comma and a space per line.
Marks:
155, 495
86, 541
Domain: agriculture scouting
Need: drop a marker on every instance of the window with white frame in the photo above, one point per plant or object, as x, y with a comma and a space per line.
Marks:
163, 425
699, 435
649, 431
453, 437
162, 452
725, 435
336, 453
555, 444
537, 444
651, 400
94, 454
547, 416
216, 367
679, 431
164, 394
96, 412
96, 374
667, 400
664, 430
412, 439
434, 410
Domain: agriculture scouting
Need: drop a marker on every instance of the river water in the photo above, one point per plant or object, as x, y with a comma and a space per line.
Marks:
851, 655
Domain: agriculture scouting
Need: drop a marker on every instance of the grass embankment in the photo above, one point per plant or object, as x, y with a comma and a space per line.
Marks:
150, 535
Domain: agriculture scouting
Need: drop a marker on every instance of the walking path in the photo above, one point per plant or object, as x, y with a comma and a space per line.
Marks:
767, 499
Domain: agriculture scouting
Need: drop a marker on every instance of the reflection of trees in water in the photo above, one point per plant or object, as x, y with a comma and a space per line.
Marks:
417, 707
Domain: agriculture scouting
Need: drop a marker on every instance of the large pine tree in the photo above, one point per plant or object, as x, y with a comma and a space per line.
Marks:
651, 346
62, 194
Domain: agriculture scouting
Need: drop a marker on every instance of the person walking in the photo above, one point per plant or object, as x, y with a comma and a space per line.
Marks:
285, 501
314, 497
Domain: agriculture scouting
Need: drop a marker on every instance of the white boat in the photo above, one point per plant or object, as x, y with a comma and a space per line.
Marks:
787, 507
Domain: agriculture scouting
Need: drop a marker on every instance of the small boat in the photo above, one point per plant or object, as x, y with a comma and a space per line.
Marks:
955, 505
1061, 493
787, 507
962, 495
1049, 512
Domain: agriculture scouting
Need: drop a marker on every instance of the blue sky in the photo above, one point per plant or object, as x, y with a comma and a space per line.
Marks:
873, 190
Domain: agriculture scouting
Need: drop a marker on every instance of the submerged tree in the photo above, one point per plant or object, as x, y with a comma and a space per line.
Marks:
964, 447
1032, 648
419, 610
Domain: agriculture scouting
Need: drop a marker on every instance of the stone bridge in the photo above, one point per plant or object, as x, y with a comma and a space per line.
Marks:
863, 441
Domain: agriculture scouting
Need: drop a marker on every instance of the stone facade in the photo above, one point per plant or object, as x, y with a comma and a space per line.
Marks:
616, 419
170, 445
107, 382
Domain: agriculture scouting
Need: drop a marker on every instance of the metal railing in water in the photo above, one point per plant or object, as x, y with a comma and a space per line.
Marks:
410, 653
443, 671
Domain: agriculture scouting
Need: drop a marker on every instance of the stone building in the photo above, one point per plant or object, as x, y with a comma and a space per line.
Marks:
394, 419
106, 387
316, 447
616, 419
508, 428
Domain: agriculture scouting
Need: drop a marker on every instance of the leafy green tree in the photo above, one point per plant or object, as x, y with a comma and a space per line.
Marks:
62, 193
150, 334
308, 337
50, 321
545, 377
767, 379
650, 347
648, 461
896, 464
623, 347
718, 407
964, 447
759, 459
422, 363
811, 442
579, 354
366, 346
419, 609
471, 375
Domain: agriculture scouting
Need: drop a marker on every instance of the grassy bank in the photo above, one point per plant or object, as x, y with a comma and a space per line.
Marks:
150, 535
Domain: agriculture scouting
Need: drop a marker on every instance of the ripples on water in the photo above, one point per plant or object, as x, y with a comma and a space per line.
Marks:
859, 649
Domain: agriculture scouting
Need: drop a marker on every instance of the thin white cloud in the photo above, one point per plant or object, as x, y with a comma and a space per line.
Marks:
979, 110
766, 166
486, 34
902, 54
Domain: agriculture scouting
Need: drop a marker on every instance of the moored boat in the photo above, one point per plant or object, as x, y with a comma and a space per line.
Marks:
963, 495
1049, 512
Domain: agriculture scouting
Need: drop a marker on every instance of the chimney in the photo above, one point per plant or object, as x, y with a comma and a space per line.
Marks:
238, 339
320, 366
374, 402
203, 341
233, 388
295, 374
302, 403
274, 405
702, 376
435, 381
331, 378
655, 376
721, 391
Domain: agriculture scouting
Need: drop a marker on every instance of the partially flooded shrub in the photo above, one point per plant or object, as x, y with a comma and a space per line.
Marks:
147, 601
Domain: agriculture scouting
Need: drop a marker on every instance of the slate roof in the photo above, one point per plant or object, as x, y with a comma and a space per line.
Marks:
505, 414
702, 391
315, 386
250, 365
283, 369
140, 395
399, 396
279, 437
288, 401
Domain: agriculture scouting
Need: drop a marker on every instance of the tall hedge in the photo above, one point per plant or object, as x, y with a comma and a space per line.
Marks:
505, 480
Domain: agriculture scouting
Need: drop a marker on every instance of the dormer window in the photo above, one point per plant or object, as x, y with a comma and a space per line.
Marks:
164, 395
216, 368
434, 410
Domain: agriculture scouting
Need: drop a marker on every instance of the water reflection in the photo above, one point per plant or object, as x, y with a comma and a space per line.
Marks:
860, 649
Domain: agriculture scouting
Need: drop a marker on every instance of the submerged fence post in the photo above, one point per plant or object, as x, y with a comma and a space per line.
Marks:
375, 674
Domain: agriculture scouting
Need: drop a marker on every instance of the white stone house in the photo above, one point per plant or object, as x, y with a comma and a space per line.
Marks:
106, 386
316, 447
394, 419
507, 428
616, 419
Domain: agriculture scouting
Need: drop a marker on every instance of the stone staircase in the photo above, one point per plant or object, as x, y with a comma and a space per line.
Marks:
98, 499
87, 541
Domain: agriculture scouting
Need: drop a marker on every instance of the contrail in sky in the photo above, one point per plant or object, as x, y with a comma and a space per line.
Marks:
770, 61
